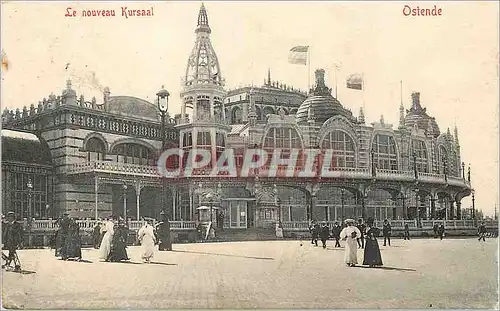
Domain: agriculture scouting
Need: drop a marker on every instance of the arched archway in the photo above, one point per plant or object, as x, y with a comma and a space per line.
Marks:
335, 203
380, 205
236, 115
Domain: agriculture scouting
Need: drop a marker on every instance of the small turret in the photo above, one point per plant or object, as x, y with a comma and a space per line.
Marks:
456, 136
382, 119
107, 94
401, 116
68, 96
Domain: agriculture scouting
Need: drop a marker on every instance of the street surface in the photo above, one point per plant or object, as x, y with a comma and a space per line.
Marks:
423, 273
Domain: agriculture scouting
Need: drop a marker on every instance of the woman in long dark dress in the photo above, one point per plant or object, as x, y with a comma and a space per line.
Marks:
372, 255
72, 244
119, 243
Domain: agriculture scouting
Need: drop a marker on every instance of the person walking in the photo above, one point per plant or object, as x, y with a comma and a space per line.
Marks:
324, 234
72, 248
372, 256
406, 235
163, 231
350, 234
147, 239
96, 235
118, 249
361, 226
105, 247
336, 233
435, 229
12, 237
387, 232
482, 232
440, 231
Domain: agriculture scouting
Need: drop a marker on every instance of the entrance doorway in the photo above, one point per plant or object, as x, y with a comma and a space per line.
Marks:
238, 214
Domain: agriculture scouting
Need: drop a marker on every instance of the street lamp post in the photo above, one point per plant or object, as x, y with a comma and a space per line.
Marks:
30, 194
473, 204
162, 96
125, 202
342, 191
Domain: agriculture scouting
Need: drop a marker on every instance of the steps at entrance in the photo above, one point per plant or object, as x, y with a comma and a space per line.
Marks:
250, 234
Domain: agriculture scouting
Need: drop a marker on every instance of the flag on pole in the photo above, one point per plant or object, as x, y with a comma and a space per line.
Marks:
298, 55
355, 81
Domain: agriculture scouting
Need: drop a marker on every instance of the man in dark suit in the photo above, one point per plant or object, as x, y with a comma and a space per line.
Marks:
324, 234
336, 233
482, 232
12, 236
361, 240
387, 230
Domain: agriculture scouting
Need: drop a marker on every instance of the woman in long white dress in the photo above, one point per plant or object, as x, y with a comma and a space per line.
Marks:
147, 238
105, 247
350, 234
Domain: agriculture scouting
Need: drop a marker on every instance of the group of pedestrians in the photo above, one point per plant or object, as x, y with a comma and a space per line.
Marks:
68, 244
357, 236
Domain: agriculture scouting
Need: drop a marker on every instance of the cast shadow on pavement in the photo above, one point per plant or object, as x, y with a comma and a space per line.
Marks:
21, 271
162, 263
227, 255
75, 260
387, 268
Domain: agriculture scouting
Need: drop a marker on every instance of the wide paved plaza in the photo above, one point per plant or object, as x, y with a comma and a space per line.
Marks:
421, 273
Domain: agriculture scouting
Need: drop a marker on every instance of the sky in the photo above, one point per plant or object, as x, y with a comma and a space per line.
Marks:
452, 59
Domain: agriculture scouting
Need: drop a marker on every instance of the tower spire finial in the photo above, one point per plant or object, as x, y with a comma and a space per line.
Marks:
268, 76
203, 20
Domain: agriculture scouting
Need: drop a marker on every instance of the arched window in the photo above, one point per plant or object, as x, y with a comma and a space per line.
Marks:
134, 154
442, 159
95, 149
236, 115
385, 156
286, 138
421, 157
343, 148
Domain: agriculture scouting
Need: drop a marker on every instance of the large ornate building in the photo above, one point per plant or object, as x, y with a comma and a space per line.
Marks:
101, 154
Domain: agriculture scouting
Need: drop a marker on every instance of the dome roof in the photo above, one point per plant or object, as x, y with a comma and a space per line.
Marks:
417, 115
24, 147
133, 107
321, 105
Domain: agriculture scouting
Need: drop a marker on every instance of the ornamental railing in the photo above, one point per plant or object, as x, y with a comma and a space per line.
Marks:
400, 224
88, 225
281, 171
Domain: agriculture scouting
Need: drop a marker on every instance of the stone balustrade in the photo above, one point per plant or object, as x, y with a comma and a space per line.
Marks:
42, 225
399, 224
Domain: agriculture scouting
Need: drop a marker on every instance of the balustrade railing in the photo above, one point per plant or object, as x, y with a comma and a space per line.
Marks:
335, 172
88, 225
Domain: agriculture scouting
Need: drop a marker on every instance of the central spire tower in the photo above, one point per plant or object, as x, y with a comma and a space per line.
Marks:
203, 92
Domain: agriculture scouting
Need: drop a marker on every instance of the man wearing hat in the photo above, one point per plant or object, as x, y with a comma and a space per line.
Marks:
62, 234
163, 230
12, 236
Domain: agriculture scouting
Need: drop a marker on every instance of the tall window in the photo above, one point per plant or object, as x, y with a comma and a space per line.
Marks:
418, 147
343, 148
95, 149
385, 156
286, 138
134, 154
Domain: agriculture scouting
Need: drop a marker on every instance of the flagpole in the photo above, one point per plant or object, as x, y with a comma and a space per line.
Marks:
401, 91
308, 69
363, 90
